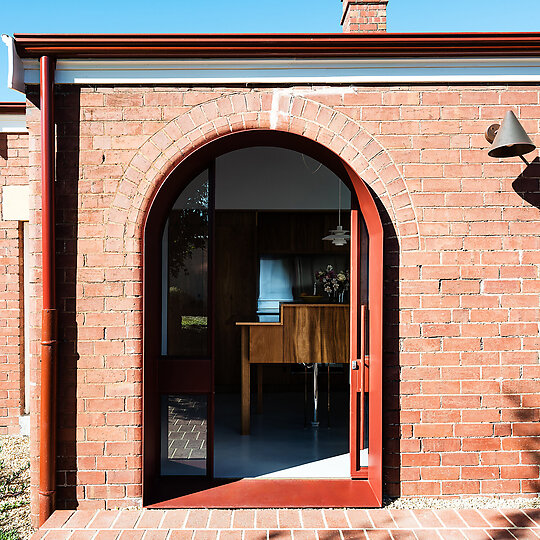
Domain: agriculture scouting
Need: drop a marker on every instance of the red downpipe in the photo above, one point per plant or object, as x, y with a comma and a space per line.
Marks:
47, 428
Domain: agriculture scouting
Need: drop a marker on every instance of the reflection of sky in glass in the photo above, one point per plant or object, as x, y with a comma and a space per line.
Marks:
194, 195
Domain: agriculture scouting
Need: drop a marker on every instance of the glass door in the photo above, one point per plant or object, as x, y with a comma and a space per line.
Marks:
185, 364
359, 359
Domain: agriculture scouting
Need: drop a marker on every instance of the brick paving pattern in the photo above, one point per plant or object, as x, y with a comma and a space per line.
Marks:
291, 524
187, 427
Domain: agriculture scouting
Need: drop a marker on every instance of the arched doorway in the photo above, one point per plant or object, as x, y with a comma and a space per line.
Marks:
185, 369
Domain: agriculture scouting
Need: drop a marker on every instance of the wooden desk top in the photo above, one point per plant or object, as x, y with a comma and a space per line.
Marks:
295, 305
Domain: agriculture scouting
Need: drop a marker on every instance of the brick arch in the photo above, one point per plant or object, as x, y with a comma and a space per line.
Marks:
278, 110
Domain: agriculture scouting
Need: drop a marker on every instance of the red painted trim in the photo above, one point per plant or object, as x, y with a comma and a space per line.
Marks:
270, 493
12, 107
278, 45
263, 493
211, 316
47, 421
177, 375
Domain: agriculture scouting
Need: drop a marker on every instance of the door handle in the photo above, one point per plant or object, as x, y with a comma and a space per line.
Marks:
354, 364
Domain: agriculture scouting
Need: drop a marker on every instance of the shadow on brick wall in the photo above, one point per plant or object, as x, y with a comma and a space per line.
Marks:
523, 418
3, 146
522, 423
526, 414
527, 184
391, 411
67, 113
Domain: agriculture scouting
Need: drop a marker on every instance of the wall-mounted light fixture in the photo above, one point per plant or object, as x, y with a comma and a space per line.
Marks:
509, 139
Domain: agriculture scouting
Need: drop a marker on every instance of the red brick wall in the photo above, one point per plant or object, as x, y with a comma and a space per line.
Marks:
462, 375
35, 292
364, 16
13, 171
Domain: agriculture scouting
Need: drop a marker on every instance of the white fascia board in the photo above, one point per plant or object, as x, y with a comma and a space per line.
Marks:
13, 123
16, 71
290, 70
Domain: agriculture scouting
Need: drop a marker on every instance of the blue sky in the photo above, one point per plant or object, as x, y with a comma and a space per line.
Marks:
146, 16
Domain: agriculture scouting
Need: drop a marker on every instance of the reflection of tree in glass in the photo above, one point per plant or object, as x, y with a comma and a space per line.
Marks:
188, 229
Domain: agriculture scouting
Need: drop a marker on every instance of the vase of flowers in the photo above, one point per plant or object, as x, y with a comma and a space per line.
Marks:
334, 283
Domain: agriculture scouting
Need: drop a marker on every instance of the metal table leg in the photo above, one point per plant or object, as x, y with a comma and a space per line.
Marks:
305, 396
315, 421
328, 394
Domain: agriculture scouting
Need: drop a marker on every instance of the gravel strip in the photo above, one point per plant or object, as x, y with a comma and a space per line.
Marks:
15, 487
462, 503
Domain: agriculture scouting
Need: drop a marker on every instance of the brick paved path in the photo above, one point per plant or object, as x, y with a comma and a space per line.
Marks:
291, 524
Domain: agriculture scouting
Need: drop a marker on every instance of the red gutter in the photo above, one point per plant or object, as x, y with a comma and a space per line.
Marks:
47, 428
382, 45
12, 107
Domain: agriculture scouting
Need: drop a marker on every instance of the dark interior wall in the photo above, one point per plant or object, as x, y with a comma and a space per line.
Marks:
236, 274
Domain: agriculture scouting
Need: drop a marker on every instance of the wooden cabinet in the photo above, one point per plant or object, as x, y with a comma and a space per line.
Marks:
315, 333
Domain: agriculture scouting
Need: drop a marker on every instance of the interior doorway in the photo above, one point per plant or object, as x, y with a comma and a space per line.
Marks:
256, 320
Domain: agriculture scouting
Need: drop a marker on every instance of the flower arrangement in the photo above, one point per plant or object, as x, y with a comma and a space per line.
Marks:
334, 283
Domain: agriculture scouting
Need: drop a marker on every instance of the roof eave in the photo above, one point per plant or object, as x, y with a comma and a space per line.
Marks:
383, 45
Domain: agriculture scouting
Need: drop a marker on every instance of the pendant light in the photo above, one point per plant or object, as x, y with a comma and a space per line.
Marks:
338, 236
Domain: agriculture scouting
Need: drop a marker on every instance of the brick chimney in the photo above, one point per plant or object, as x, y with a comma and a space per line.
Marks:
364, 16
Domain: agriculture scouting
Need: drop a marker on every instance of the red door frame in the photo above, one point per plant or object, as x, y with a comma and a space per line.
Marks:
163, 491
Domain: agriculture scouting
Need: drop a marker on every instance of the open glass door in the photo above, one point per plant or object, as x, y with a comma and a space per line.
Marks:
359, 438
366, 339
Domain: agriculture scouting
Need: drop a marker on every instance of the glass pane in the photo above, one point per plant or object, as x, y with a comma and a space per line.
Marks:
185, 256
183, 434
363, 299
363, 276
